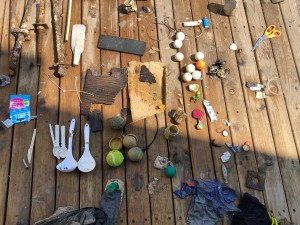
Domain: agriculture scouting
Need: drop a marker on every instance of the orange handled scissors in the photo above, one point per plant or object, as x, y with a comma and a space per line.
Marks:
270, 32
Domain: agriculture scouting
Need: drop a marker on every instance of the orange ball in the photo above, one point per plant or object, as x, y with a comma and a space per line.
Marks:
200, 65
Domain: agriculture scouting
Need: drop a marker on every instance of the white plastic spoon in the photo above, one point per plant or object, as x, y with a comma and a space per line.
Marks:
56, 141
63, 151
86, 163
69, 163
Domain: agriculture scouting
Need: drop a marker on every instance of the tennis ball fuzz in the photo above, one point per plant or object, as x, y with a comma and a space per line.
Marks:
114, 158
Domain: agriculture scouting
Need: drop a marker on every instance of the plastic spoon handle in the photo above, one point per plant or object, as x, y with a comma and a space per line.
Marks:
63, 136
71, 133
30, 150
57, 135
51, 133
86, 136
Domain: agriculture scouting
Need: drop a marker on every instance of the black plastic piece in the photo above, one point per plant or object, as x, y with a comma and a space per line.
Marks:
121, 44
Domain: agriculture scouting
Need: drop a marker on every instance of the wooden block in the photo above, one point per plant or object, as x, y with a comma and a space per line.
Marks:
95, 121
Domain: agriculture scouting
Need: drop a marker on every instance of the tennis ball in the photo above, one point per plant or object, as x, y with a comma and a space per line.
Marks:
135, 154
170, 171
130, 141
114, 158
117, 122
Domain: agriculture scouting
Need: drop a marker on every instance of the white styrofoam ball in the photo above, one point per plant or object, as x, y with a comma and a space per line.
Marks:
233, 47
177, 43
196, 75
179, 56
180, 36
187, 77
199, 56
190, 68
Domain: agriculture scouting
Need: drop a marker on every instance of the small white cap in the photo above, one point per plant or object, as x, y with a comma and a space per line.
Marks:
233, 47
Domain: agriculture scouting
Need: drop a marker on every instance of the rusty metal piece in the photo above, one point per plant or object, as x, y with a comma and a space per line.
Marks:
255, 181
21, 34
60, 49
40, 27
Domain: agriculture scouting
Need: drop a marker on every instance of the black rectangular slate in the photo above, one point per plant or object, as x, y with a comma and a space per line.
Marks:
122, 44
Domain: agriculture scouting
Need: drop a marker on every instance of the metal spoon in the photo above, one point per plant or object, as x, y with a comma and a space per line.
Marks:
86, 163
63, 151
69, 163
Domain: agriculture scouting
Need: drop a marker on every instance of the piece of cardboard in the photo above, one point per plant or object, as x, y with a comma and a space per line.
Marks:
146, 97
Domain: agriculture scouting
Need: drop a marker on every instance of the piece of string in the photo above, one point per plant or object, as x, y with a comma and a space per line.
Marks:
169, 28
155, 136
69, 90
77, 90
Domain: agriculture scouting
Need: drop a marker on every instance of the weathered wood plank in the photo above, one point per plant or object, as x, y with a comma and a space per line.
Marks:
44, 174
91, 183
199, 140
178, 149
5, 134
138, 205
4, 3
19, 193
290, 12
259, 123
286, 66
235, 103
68, 183
161, 203
110, 59
284, 141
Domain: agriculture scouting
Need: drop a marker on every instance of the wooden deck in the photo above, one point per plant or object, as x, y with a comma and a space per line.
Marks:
272, 125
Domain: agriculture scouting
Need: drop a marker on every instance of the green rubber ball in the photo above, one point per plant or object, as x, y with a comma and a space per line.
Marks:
170, 171
114, 158
117, 122
135, 154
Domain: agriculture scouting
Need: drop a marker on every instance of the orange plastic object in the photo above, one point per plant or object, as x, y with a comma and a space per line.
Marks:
200, 65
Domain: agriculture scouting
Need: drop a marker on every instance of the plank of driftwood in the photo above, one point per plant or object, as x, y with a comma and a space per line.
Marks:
290, 13
5, 134
286, 66
43, 186
178, 149
138, 205
161, 203
235, 103
91, 183
20, 179
67, 185
109, 59
284, 141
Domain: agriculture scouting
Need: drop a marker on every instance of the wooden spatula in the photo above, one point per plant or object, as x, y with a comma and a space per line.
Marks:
77, 42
